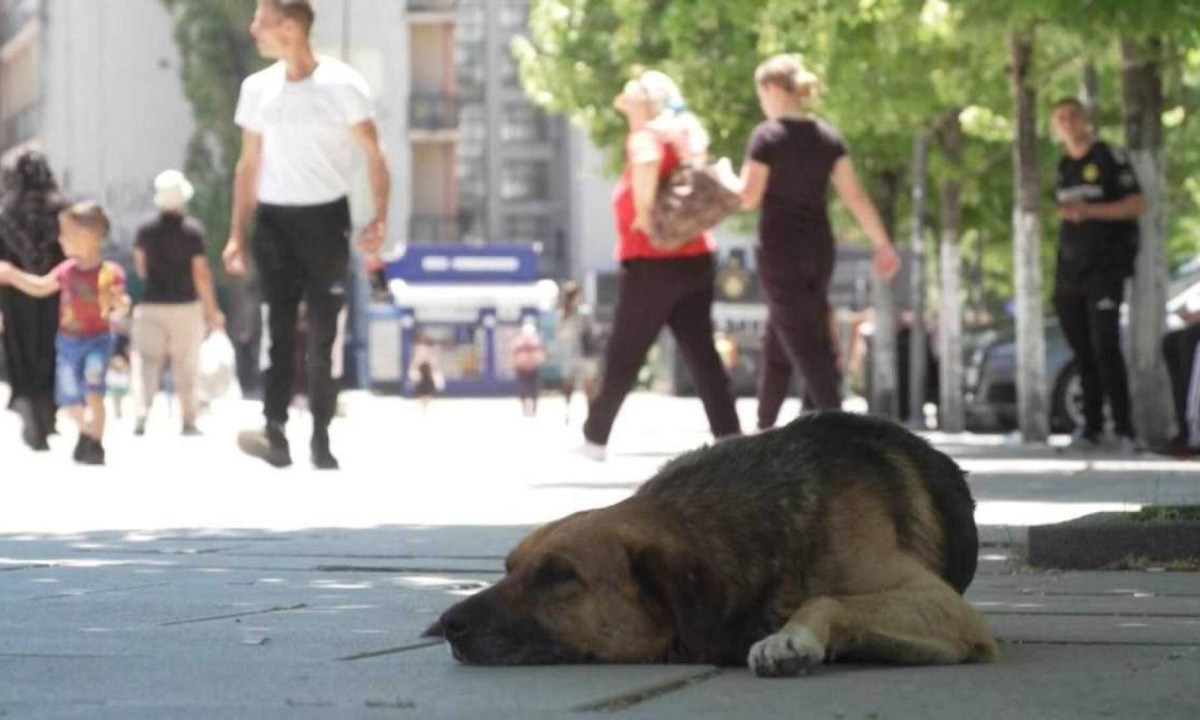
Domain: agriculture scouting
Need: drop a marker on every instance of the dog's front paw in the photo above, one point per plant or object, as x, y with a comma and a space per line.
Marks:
786, 654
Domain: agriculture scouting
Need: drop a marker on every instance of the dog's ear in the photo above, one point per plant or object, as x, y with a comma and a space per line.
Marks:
678, 581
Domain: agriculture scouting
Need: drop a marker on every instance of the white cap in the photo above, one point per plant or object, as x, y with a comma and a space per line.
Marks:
172, 191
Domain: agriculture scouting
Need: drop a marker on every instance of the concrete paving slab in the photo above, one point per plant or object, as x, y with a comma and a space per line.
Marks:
1029, 681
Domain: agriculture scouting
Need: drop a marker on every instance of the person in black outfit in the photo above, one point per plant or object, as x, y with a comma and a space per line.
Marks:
790, 161
1098, 200
29, 240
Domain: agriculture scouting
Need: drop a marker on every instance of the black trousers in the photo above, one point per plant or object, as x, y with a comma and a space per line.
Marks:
1179, 352
797, 338
30, 325
1089, 313
677, 293
302, 253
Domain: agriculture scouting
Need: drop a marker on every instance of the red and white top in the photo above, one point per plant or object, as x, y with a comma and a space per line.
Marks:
633, 244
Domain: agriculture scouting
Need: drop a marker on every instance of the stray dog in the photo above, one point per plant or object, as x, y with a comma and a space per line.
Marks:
837, 536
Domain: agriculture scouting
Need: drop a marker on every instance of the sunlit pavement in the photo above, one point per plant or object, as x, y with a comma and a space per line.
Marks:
185, 580
477, 462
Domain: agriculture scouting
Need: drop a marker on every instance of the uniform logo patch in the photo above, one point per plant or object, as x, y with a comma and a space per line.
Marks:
1091, 173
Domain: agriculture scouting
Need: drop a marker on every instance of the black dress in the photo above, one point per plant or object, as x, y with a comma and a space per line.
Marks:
29, 240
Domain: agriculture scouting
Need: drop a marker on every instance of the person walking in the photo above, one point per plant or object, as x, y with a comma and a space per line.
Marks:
791, 159
1098, 199
178, 302
576, 343
528, 354
301, 119
29, 241
657, 287
91, 290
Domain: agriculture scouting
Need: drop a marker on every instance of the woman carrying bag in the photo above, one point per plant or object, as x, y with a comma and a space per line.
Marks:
658, 286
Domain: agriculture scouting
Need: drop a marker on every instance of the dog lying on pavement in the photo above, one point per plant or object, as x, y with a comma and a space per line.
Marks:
837, 536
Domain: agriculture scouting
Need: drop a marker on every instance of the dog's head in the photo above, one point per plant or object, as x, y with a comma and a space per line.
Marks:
600, 586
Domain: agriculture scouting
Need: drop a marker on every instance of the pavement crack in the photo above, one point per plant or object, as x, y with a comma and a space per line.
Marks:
627, 700
29, 566
390, 651
264, 611
84, 593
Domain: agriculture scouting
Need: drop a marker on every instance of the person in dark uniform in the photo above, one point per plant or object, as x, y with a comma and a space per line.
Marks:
1098, 201
790, 161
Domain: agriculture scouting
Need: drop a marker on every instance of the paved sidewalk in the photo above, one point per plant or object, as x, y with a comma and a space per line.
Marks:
185, 581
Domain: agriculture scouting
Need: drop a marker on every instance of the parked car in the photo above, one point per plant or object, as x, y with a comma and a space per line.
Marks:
991, 372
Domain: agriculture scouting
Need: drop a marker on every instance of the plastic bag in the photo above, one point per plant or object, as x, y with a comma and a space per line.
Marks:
216, 366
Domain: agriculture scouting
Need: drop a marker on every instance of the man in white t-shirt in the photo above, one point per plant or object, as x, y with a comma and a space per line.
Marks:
301, 119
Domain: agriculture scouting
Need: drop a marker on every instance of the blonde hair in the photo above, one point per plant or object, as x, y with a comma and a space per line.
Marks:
788, 72
671, 114
90, 215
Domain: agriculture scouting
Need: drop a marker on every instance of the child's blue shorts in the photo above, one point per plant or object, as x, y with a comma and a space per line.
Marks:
81, 366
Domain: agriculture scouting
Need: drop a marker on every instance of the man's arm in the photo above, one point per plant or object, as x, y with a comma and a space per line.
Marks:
245, 197
139, 262
35, 285
367, 135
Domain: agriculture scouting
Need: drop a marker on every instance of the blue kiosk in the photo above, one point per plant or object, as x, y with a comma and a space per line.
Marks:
469, 303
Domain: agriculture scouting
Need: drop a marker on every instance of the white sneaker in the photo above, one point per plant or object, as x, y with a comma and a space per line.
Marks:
591, 451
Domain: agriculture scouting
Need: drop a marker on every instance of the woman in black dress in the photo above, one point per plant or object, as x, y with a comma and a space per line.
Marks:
29, 240
790, 161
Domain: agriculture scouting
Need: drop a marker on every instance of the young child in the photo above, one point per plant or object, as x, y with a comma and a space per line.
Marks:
91, 290
423, 373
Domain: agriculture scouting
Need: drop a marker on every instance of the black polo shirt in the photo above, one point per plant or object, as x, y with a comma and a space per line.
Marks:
170, 241
1095, 247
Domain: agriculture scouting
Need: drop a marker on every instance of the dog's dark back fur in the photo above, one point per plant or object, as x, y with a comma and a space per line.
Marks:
790, 471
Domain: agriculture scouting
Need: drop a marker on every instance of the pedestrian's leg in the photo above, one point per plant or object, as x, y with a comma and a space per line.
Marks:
283, 280
148, 342
644, 299
1104, 320
187, 333
691, 323
327, 257
1072, 312
802, 325
775, 377
1191, 426
1172, 346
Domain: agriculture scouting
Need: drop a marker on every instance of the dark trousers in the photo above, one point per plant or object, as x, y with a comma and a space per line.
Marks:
1179, 352
30, 326
302, 253
677, 293
797, 337
1089, 315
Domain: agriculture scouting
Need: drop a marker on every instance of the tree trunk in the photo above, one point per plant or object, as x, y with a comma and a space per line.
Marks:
1142, 98
916, 340
950, 376
1089, 86
1032, 412
884, 400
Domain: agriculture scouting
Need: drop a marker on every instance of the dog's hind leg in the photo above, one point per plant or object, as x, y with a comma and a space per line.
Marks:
925, 622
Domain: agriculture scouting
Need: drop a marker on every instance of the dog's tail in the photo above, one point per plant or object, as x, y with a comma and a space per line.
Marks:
947, 486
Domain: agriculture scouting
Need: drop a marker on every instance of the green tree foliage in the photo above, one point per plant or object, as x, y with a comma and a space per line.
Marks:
217, 53
892, 68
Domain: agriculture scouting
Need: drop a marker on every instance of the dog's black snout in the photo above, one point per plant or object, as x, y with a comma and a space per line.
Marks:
453, 624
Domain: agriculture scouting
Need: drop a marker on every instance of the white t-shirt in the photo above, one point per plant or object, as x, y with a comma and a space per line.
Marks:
307, 146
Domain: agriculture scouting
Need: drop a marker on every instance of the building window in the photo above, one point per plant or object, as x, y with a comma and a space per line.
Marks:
523, 123
526, 229
525, 180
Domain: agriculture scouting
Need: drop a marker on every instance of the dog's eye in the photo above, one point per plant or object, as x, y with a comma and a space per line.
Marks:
555, 572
